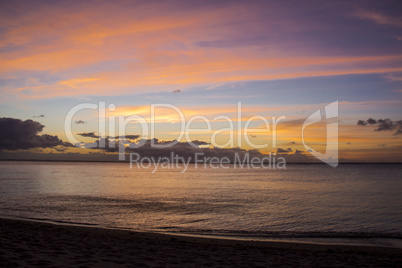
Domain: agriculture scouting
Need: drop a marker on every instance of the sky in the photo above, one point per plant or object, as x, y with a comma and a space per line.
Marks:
275, 58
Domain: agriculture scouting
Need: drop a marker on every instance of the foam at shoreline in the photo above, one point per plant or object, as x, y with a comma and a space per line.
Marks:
366, 241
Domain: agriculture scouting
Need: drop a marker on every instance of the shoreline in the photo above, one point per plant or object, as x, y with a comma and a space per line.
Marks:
51, 244
269, 242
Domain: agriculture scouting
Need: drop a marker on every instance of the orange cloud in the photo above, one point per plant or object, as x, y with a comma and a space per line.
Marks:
155, 50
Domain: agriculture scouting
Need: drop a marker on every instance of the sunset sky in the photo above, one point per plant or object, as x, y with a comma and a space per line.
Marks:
278, 58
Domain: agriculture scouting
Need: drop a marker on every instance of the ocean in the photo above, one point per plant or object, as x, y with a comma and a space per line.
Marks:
352, 203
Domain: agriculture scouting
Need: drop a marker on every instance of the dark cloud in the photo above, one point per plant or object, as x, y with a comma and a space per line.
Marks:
298, 156
60, 148
177, 91
38, 116
361, 123
127, 137
17, 134
388, 124
93, 135
144, 148
197, 142
80, 122
383, 125
89, 135
186, 150
280, 150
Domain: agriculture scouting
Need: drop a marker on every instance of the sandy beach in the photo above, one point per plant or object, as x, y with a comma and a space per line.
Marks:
37, 244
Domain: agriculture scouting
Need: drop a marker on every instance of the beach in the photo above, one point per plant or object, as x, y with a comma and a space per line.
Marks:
200, 133
40, 244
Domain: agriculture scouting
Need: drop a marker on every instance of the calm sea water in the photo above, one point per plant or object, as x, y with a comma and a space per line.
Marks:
354, 201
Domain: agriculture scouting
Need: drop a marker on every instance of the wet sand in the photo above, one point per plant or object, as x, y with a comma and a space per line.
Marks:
37, 244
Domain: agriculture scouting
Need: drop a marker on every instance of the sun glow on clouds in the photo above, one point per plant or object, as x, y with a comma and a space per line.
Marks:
154, 47
56, 51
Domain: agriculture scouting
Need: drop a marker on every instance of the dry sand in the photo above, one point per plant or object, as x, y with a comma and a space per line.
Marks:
37, 244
